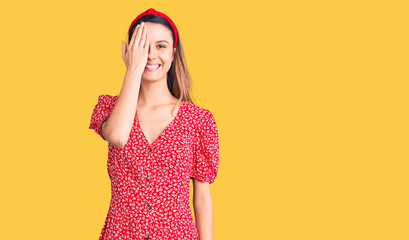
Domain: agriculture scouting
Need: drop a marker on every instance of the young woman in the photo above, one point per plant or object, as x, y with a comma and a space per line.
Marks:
158, 140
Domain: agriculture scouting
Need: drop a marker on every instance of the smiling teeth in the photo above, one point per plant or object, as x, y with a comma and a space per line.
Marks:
152, 66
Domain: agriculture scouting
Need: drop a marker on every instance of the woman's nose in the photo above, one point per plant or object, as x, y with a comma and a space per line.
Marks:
151, 53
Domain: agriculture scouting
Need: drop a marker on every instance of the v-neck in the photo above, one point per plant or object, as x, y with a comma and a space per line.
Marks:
164, 131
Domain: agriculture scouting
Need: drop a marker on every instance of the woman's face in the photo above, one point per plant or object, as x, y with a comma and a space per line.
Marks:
161, 51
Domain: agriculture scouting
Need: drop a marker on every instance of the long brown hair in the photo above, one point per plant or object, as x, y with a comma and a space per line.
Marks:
178, 77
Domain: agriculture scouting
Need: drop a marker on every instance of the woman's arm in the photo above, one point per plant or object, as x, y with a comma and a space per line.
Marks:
203, 207
118, 126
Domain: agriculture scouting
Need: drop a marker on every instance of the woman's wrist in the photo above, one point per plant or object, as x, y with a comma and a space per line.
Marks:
133, 74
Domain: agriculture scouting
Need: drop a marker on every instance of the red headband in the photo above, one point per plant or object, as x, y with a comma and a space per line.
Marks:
152, 11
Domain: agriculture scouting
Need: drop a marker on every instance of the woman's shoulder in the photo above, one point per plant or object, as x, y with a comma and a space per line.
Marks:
198, 114
107, 97
195, 109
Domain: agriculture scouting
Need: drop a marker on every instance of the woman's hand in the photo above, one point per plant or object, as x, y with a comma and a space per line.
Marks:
135, 55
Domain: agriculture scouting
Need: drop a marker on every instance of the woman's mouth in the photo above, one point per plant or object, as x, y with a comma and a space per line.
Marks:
152, 68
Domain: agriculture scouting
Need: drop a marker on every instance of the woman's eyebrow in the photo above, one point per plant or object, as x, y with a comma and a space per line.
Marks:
162, 41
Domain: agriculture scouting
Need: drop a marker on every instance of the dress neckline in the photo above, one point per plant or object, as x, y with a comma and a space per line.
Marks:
173, 122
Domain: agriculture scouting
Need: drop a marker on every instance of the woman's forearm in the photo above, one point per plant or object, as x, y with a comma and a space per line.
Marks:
117, 128
203, 207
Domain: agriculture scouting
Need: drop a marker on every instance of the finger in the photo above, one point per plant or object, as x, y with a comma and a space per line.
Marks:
133, 35
143, 40
123, 50
147, 42
138, 34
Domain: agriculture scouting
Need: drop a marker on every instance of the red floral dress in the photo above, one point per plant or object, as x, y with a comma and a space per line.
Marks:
150, 182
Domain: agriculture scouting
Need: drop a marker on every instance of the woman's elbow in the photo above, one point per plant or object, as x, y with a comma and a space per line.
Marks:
117, 144
114, 138
116, 141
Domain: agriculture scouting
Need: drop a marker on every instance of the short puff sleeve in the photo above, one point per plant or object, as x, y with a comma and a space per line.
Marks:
206, 149
101, 112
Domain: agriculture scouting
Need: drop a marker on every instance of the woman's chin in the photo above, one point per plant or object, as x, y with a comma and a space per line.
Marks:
151, 78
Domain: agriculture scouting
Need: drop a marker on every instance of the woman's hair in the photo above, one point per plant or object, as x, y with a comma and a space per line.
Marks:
178, 78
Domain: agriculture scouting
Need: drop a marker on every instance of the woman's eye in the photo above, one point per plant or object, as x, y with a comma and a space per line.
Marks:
162, 46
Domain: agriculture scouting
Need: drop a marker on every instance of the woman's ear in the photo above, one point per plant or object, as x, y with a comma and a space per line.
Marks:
174, 53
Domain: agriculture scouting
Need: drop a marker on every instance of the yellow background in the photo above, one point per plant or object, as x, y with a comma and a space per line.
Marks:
310, 99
